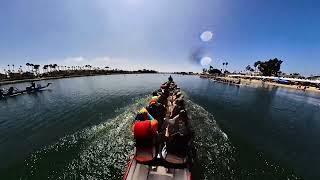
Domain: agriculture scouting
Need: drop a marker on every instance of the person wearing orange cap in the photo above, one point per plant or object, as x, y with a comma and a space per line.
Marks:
154, 100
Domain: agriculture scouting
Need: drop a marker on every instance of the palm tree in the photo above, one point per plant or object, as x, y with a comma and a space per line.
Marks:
28, 64
223, 65
226, 65
256, 64
249, 68
210, 68
45, 68
36, 68
12, 67
204, 70
9, 67
32, 67
54, 66
50, 67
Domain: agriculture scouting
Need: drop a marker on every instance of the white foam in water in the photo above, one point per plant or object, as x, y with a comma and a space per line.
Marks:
214, 151
99, 152
225, 136
102, 151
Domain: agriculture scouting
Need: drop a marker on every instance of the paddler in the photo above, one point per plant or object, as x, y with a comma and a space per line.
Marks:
156, 109
178, 105
155, 93
178, 134
170, 79
1, 91
33, 84
10, 90
145, 128
143, 115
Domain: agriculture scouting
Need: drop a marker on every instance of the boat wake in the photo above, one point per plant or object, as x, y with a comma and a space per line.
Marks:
99, 152
102, 151
214, 151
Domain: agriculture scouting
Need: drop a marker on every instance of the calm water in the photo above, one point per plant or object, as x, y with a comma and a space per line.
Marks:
80, 129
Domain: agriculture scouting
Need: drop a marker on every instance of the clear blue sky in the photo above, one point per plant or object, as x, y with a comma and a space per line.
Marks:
161, 34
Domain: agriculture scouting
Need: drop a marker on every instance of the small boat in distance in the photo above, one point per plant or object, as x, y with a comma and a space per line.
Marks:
12, 91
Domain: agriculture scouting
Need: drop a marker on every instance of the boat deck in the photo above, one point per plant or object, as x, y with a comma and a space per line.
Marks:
146, 172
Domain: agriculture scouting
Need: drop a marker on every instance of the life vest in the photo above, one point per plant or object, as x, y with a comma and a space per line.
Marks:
142, 130
145, 129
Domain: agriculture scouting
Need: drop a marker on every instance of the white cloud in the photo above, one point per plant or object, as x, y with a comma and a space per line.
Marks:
82, 61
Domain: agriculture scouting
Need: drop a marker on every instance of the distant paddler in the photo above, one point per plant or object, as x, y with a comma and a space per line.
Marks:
1, 91
11, 90
33, 84
31, 87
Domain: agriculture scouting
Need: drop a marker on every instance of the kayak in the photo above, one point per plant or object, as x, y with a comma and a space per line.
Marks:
27, 90
148, 163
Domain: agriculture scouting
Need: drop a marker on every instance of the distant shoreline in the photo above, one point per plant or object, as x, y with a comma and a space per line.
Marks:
258, 83
62, 77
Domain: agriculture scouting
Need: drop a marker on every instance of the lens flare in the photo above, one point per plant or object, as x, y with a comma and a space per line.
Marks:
206, 36
205, 61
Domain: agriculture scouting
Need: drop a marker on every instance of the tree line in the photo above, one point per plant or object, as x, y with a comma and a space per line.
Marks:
270, 67
212, 70
55, 70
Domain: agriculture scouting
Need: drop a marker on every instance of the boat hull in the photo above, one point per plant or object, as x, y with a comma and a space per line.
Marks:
138, 171
37, 89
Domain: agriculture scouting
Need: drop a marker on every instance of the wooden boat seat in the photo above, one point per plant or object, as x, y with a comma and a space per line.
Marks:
171, 158
145, 154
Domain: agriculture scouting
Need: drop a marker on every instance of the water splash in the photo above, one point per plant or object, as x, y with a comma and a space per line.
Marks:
214, 151
99, 152
102, 151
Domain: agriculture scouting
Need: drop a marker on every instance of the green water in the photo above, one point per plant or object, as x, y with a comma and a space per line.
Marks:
81, 129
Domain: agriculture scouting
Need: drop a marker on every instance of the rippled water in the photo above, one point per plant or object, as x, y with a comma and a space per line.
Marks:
81, 129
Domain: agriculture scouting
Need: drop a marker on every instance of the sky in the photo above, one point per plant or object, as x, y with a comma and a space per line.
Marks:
164, 35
